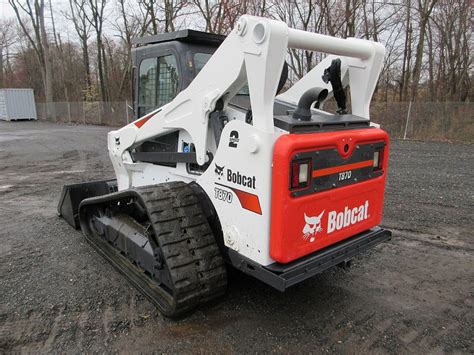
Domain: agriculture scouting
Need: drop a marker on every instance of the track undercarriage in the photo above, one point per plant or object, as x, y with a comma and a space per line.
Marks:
158, 237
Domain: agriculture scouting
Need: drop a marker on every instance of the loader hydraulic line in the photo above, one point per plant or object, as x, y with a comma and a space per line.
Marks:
332, 74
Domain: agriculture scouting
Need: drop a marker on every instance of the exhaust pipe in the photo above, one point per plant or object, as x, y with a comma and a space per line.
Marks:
314, 95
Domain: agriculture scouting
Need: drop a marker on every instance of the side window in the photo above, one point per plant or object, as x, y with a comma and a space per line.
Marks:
168, 79
200, 60
147, 85
158, 83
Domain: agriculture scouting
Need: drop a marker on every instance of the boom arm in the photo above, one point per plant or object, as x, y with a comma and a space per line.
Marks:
361, 63
253, 53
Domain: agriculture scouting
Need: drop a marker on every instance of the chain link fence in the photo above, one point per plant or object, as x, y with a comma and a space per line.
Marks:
113, 114
452, 121
426, 120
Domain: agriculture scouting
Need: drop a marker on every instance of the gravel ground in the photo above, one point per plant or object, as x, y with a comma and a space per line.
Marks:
413, 294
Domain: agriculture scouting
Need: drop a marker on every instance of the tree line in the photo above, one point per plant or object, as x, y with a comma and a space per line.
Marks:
428, 42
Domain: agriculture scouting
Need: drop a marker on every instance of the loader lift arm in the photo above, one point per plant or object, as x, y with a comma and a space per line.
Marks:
253, 54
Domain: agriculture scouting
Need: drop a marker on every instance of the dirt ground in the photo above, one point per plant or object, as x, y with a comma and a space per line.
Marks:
413, 294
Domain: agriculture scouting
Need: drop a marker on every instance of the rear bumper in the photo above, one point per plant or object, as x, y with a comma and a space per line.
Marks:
282, 276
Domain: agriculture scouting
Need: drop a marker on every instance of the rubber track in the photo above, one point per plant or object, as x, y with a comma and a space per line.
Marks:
187, 245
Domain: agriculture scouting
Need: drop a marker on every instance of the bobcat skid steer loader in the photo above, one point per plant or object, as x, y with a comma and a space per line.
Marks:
225, 170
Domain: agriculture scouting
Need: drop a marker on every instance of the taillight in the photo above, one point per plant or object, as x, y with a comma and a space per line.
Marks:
378, 159
300, 173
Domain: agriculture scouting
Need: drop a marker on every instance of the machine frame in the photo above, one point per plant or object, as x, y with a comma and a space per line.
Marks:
253, 54
271, 184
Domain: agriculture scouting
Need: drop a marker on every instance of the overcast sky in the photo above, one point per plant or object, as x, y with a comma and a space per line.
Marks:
66, 28
62, 25
5, 10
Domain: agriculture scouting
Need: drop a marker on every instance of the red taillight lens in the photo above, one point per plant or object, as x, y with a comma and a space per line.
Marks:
295, 171
300, 173
378, 159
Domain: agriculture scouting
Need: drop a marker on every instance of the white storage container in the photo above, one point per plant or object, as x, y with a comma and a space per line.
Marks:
17, 104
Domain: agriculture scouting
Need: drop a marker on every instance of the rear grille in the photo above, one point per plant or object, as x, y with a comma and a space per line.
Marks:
330, 170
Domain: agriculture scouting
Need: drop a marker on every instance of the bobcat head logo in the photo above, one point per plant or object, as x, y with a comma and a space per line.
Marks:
312, 226
219, 170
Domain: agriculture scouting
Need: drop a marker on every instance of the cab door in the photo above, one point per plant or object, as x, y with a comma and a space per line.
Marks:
158, 82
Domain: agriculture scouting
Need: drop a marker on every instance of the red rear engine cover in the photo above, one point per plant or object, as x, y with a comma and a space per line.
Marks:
344, 197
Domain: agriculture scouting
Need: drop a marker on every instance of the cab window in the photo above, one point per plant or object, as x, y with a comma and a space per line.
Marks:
158, 83
200, 60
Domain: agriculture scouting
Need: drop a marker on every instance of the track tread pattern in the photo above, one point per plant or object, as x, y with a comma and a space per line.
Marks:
186, 244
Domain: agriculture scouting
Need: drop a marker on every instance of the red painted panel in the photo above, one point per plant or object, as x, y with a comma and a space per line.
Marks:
247, 200
302, 225
141, 121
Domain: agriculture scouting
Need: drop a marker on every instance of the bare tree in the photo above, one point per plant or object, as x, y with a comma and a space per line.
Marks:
454, 59
208, 10
7, 38
351, 7
59, 58
162, 15
306, 16
428, 42
82, 28
96, 19
216, 14
405, 75
150, 10
128, 27
34, 12
425, 7
171, 10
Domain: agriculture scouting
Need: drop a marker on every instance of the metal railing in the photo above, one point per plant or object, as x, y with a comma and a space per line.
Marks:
452, 121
